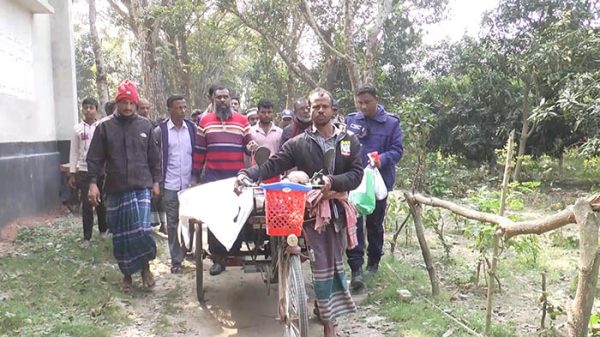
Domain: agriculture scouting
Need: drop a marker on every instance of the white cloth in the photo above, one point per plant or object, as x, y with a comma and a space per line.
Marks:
216, 205
80, 143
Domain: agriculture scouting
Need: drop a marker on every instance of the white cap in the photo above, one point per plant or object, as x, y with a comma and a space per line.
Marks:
251, 112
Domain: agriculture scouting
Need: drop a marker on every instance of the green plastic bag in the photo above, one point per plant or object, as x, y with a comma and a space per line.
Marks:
363, 197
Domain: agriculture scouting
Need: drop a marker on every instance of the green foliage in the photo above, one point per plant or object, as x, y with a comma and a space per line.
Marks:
432, 218
559, 240
535, 58
396, 211
528, 248
572, 169
594, 324
487, 200
480, 234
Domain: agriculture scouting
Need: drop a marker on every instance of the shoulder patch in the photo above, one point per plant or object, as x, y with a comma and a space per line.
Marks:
345, 148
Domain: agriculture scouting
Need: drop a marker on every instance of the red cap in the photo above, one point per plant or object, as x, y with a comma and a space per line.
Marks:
127, 90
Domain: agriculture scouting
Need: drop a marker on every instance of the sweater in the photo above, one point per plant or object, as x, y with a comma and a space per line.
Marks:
220, 147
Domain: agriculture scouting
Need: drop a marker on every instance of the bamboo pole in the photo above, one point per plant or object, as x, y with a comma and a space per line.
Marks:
496, 241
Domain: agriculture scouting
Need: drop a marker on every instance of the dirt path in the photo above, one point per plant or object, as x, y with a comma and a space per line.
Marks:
237, 304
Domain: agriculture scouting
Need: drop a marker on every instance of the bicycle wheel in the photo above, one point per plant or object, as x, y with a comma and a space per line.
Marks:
295, 306
199, 268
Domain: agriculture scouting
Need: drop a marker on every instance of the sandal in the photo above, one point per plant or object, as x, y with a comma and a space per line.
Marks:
148, 278
176, 269
127, 284
317, 313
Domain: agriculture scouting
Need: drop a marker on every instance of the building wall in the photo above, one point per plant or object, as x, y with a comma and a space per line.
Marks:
37, 103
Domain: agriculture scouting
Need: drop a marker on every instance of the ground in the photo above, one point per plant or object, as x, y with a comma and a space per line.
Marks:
83, 286
51, 287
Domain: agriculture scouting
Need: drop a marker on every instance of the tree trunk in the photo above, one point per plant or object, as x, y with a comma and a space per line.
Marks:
589, 261
154, 87
525, 133
185, 62
507, 168
416, 210
289, 99
146, 32
350, 60
101, 80
384, 8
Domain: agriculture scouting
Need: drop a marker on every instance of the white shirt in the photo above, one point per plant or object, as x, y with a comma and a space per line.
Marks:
80, 144
271, 140
179, 164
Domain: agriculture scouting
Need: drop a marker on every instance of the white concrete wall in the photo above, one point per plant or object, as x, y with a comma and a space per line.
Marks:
63, 57
26, 71
37, 73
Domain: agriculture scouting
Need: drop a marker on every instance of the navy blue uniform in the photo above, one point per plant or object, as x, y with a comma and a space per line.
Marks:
383, 134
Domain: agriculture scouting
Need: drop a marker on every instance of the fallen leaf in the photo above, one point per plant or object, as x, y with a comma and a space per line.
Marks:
448, 333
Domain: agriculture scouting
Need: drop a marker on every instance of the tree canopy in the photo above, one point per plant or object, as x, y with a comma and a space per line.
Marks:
534, 68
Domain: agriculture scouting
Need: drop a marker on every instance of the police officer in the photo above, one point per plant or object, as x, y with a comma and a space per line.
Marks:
380, 131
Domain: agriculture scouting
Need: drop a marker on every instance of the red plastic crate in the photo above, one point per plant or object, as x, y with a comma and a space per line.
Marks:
284, 210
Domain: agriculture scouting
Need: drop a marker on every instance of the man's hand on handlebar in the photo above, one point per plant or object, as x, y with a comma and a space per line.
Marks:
241, 181
326, 184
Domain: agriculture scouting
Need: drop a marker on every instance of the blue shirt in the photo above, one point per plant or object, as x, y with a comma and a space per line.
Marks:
179, 164
381, 133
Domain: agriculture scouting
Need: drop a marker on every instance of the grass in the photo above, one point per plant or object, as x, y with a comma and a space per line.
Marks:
52, 287
417, 317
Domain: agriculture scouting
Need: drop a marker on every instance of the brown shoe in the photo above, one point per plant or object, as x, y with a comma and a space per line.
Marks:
148, 278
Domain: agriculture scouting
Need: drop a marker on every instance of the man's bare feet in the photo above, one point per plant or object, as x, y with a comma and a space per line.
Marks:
127, 284
147, 277
329, 329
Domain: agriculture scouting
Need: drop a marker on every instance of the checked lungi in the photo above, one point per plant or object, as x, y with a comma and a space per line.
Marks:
329, 278
129, 216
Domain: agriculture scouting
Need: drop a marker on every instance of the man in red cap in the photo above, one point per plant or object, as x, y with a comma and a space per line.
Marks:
124, 143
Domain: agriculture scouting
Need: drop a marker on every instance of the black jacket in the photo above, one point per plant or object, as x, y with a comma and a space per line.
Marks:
305, 153
295, 128
127, 147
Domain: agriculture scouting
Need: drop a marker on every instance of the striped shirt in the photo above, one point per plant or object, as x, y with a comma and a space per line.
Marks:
220, 146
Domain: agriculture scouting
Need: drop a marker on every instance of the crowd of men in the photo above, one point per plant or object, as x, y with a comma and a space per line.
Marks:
130, 170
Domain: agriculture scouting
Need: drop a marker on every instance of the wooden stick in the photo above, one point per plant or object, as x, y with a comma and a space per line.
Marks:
397, 233
496, 241
415, 210
507, 167
491, 286
545, 301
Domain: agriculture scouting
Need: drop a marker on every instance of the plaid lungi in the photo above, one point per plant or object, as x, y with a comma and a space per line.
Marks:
129, 217
329, 278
